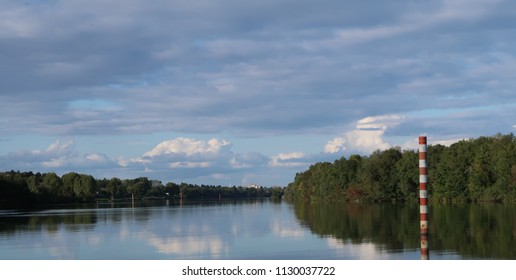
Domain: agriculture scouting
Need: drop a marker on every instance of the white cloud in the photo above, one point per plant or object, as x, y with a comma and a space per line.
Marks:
54, 156
123, 162
367, 136
335, 145
194, 160
287, 159
366, 140
192, 153
187, 146
378, 122
54, 162
95, 157
59, 148
59, 156
184, 153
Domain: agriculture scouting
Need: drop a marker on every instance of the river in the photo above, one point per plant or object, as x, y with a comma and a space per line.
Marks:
253, 230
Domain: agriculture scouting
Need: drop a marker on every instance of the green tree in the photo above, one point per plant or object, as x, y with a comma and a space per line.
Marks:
453, 171
85, 190
134, 189
172, 189
480, 175
407, 175
53, 184
113, 187
71, 182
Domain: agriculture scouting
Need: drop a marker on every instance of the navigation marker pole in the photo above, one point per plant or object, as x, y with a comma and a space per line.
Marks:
423, 197
424, 247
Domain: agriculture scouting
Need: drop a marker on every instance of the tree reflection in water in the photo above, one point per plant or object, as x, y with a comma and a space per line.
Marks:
474, 231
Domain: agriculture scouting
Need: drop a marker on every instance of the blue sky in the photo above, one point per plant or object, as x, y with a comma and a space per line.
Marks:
242, 92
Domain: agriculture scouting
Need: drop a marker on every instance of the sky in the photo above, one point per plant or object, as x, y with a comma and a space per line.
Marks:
227, 92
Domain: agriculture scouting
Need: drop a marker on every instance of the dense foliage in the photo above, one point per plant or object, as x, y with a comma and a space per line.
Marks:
482, 169
22, 189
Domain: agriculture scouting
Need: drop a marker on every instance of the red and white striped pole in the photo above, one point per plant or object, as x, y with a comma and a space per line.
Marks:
424, 247
423, 198
423, 179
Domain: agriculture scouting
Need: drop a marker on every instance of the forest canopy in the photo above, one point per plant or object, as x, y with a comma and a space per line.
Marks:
26, 189
481, 169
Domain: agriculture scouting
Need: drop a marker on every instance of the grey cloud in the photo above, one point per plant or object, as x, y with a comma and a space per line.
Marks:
252, 68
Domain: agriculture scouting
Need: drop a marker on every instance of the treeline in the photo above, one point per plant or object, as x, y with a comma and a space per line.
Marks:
482, 169
22, 189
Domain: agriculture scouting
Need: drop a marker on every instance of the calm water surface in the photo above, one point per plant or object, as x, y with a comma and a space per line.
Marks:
256, 230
